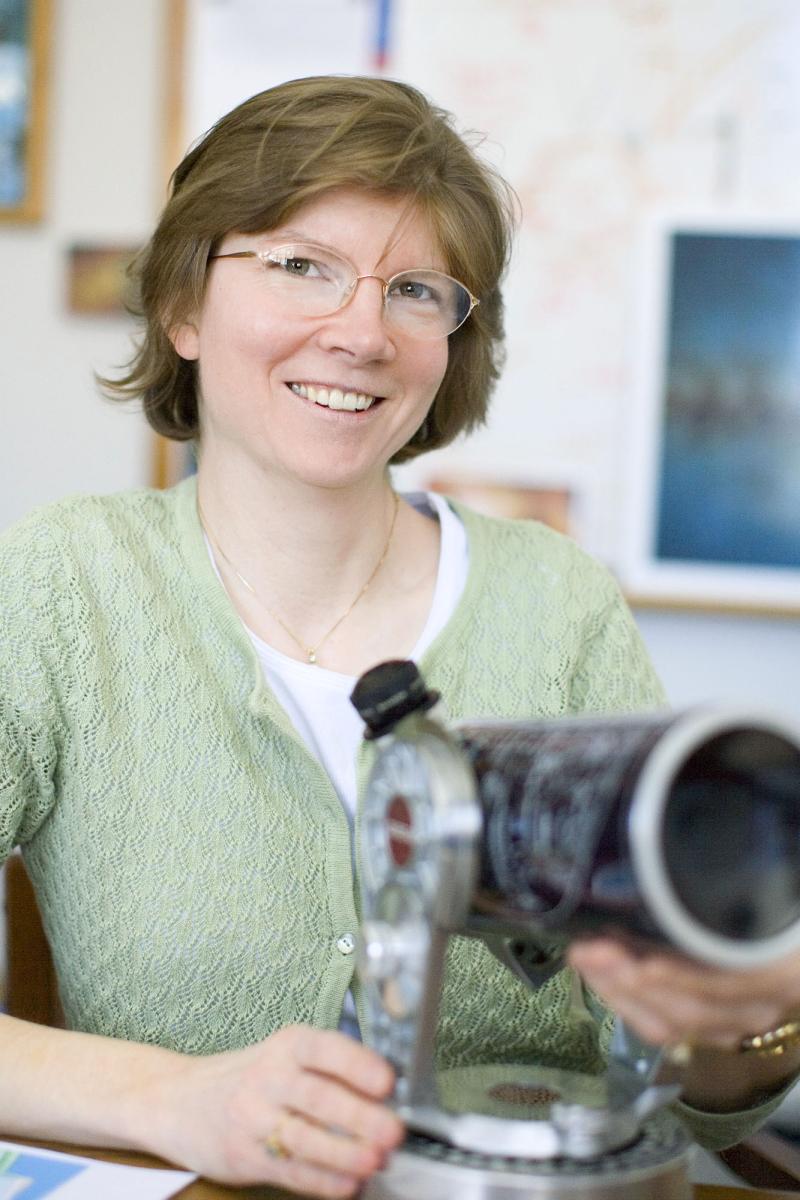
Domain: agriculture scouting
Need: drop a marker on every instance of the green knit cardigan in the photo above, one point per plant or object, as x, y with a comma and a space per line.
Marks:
191, 858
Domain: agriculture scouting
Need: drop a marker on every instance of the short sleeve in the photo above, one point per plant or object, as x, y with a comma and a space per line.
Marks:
613, 671
28, 696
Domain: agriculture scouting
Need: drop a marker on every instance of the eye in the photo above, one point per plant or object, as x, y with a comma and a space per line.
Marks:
299, 266
415, 289
296, 264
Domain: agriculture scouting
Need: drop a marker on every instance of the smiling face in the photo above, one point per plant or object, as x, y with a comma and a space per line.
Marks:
270, 381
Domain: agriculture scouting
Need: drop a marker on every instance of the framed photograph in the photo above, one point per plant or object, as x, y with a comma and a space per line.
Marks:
715, 448
550, 505
24, 28
97, 283
172, 462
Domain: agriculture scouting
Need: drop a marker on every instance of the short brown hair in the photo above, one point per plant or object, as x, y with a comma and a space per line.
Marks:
289, 145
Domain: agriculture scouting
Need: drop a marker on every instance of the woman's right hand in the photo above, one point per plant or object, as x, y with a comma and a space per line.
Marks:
302, 1110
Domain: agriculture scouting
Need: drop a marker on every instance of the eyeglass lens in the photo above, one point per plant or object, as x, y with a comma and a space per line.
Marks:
314, 282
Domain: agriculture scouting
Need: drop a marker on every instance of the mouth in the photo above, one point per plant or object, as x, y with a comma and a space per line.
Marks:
336, 398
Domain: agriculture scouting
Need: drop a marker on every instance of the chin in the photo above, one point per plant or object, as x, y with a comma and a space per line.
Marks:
338, 476
341, 472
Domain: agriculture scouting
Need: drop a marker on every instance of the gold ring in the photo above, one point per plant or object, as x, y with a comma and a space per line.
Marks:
679, 1054
275, 1145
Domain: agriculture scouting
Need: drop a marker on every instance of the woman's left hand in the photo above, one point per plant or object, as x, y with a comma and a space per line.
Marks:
667, 998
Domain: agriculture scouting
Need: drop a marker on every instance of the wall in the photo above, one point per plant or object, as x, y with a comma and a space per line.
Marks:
751, 661
57, 436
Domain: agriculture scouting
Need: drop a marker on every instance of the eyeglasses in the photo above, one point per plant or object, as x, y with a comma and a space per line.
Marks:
313, 281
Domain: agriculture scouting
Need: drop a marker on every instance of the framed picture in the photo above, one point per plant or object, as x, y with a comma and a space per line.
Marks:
715, 448
97, 283
551, 505
24, 28
172, 462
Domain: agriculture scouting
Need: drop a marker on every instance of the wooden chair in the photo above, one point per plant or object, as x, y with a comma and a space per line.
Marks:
31, 984
765, 1159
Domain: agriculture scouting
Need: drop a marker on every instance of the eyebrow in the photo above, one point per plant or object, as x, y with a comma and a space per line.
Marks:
297, 234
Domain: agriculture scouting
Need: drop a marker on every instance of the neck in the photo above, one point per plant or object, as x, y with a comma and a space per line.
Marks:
299, 546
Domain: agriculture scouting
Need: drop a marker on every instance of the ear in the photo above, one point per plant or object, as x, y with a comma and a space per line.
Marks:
186, 340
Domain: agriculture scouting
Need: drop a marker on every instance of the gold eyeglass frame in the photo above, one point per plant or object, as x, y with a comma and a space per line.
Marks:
263, 256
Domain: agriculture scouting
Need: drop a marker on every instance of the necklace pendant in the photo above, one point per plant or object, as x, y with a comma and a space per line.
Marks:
310, 651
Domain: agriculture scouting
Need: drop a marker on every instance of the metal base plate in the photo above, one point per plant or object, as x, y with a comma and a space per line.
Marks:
655, 1167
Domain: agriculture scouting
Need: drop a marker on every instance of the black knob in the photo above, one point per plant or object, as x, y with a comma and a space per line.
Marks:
388, 692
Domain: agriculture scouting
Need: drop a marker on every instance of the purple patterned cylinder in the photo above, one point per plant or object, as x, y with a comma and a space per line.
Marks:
683, 828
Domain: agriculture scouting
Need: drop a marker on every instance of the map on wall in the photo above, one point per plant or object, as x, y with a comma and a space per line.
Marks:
603, 113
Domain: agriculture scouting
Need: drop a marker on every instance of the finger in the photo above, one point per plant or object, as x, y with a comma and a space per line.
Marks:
307, 1179
648, 1025
328, 1052
777, 987
670, 1003
669, 1022
776, 983
668, 979
683, 1019
269, 1158
328, 1103
311, 1143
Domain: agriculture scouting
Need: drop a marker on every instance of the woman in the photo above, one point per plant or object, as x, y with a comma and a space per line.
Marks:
178, 757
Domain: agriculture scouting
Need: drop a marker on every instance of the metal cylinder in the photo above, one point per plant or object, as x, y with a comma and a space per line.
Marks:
682, 828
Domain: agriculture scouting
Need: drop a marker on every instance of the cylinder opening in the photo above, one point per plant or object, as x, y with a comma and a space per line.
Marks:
731, 834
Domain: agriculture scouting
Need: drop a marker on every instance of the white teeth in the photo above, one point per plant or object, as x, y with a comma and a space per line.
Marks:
334, 397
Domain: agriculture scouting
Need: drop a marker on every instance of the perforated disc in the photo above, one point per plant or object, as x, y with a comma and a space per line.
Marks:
653, 1168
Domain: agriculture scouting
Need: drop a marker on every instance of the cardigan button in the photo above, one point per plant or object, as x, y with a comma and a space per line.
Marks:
346, 944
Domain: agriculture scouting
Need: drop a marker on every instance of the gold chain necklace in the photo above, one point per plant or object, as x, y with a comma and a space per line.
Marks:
310, 651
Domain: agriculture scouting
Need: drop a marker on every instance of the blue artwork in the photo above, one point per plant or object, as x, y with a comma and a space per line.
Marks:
30, 1176
14, 100
729, 471
384, 13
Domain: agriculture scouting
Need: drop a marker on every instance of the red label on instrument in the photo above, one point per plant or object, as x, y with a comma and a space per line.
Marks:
401, 837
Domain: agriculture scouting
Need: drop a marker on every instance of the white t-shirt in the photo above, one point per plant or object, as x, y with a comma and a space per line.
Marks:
318, 700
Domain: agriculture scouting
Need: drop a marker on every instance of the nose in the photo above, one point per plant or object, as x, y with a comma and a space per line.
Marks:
359, 328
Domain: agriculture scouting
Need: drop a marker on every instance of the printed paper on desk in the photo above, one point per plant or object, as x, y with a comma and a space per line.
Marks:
29, 1173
